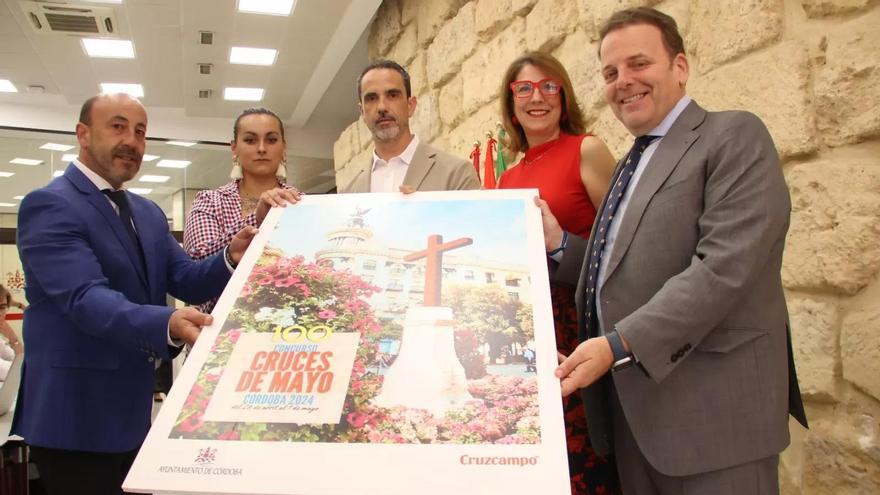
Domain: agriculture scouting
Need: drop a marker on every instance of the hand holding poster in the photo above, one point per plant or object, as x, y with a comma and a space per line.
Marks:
367, 344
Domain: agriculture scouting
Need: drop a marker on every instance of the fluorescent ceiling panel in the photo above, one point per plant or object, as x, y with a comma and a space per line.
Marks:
26, 161
154, 178
149, 158
101, 48
58, 173
6, 86
243, 94
135, 90
271, 7
173, 163
7, 205
18, 197
252, 56
56, 147
68, 157
139, 190
185, 144
6, 174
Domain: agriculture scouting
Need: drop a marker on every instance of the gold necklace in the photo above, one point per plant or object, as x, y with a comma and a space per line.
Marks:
248, 203
552, 142
528, 161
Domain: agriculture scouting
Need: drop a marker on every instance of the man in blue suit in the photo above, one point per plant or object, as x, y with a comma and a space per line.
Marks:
98, 264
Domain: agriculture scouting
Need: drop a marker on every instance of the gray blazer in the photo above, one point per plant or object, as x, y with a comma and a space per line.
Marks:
430, 170
693, 284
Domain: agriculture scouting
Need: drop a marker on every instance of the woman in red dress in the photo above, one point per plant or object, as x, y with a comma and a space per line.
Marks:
571, 170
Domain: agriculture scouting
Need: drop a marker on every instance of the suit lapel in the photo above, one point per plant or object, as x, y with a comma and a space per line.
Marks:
422, 161
666, 157
361, 181
102, 204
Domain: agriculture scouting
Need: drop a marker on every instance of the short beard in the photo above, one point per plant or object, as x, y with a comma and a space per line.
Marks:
387, 134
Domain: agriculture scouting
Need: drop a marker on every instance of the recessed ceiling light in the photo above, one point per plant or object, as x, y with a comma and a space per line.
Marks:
56, 147
139, 190
154, 178
58, 173
271, 7
101, 48
26, 161
185, 144
7, 174
8, 205
252, 56
116, 2
173, 163
243, 94
18, 197
149, 158
68, 157
6, 86
135, 90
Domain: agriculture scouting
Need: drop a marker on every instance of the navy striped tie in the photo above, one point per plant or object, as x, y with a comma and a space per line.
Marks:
597, 242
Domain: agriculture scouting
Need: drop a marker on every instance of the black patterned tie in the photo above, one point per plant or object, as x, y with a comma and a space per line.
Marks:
597, 242
121, 201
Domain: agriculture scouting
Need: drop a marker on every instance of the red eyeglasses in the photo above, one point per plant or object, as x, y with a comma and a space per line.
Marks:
525, 89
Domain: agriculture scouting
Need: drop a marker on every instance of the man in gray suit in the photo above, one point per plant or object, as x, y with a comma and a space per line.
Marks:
685, 365
399, 158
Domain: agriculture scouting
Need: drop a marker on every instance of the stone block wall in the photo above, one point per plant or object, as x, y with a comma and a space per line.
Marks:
809, 68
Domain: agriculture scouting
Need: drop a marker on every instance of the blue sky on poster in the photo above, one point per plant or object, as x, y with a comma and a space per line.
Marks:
496, 226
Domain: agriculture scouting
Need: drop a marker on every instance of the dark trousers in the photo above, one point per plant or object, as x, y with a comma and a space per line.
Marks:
164, 377
72, 472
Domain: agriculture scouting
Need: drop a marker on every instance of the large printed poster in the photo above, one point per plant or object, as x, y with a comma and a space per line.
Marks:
373, 344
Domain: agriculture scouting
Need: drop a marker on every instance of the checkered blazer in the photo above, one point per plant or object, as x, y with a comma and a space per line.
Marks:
214, 219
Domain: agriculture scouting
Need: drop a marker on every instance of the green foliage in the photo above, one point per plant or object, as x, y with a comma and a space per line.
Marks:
488, 310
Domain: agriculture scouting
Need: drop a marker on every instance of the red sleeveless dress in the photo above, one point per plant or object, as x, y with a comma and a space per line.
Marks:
554, 169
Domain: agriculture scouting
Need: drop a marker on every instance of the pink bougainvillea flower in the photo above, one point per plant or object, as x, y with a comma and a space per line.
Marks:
192, 423
246, 290
287, 282
229, 435
357, 419
327, 314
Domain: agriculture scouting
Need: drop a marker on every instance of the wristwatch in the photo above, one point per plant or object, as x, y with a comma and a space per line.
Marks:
622, 359
228, 258
563, 243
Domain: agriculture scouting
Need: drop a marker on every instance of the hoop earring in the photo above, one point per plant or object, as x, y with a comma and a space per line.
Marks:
235, 174
281, 172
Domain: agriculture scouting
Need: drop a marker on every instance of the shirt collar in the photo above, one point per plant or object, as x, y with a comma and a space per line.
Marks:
406, 156
99, 182
671, 117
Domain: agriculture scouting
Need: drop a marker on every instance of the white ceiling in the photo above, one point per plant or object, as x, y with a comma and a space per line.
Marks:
322, 48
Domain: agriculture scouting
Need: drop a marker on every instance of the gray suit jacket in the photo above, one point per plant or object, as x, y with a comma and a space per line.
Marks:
693, 284
430, 170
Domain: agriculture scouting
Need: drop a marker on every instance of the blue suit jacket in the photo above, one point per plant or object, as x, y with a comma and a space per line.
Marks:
97, 321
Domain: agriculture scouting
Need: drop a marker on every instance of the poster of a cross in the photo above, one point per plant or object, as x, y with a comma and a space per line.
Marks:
433, 256
399, 355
